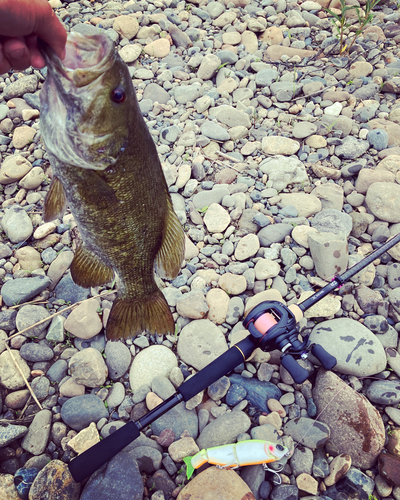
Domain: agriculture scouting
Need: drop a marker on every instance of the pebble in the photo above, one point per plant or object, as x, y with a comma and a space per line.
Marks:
78, 412
28, 316
150, 362
88, 368
10, 377
200, 342
17, 224
35, 440
117, 358
84, 321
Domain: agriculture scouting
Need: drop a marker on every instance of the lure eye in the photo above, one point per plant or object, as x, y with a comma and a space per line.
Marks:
279, 447
118, 95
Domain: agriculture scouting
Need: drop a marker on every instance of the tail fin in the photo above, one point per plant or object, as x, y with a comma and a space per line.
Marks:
130, 316
189, 467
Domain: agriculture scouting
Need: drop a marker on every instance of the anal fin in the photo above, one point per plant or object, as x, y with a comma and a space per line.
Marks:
56, 202
131, 316
170, 256
88, 270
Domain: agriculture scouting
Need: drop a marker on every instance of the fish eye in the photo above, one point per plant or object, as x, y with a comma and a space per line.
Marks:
279, 447
118, 95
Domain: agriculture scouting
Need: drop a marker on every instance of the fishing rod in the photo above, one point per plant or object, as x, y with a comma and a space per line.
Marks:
272, 325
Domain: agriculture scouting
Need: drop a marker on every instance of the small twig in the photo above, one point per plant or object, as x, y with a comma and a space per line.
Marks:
235, 160
31, 302
23, 376
314, 93
26, 420
57, 313
220, 162
25, 407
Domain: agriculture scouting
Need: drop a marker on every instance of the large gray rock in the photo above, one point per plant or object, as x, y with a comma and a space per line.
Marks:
275, 233
178, 419
356, 426
333, 221
150, 362
357, 350
200, 342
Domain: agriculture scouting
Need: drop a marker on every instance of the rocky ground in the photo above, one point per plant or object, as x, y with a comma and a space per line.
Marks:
283, 161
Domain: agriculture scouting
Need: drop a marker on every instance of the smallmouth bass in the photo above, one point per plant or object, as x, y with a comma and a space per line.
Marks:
106, 168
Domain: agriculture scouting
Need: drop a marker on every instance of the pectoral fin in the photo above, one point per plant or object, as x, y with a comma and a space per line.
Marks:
97, 192
170, 256
88, 270
55, 202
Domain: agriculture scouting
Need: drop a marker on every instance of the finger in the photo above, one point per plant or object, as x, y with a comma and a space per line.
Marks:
37, 60
17, 53
53, 33
4, 64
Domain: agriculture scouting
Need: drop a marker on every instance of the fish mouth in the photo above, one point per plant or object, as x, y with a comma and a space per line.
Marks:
66, 96
86, 58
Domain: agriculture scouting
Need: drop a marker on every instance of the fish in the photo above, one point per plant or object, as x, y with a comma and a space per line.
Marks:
107, 171
230, 456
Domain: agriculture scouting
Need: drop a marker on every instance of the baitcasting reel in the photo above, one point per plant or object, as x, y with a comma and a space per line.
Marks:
274, 326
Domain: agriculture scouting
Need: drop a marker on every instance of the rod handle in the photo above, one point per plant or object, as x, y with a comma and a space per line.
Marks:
225, 363
95, 457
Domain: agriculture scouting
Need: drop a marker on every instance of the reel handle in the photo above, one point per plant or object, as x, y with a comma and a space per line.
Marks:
298, 373
327, 360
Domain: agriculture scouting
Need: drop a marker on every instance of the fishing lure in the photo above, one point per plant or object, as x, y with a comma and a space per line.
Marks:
230, 456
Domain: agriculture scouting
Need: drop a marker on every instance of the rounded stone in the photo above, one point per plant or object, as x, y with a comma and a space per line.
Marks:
200, 342
357, 349
13, 168
247, 247
149, 363
382, 199
217, 219
80, 411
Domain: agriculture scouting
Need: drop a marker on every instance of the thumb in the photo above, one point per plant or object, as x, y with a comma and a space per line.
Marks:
51, 31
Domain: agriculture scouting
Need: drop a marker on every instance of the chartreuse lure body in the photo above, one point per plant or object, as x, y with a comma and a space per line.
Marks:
230, 456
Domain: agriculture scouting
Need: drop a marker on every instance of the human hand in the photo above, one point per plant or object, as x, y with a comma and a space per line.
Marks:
22, 22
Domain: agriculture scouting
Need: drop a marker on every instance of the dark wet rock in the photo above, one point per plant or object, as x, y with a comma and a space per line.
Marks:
119, 479
257, 392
